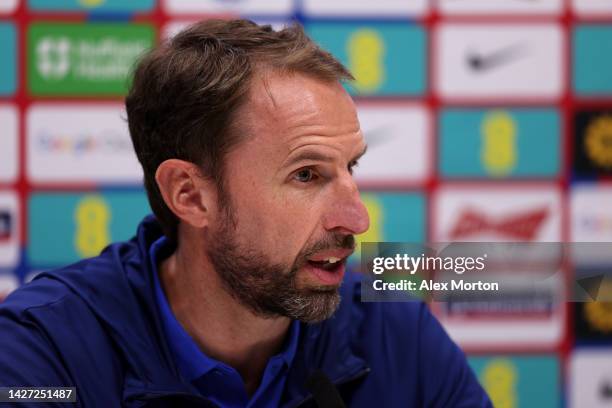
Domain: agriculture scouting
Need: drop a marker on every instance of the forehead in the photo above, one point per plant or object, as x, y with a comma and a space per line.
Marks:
285, 111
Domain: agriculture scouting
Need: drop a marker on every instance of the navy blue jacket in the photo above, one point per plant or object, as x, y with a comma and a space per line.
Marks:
94, 325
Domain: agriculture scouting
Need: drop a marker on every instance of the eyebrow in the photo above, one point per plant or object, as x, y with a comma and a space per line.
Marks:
311, 155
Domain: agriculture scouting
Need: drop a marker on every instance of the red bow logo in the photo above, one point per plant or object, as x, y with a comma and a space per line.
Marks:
521, 226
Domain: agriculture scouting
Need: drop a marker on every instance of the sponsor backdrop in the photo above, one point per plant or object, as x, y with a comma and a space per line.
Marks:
487, 120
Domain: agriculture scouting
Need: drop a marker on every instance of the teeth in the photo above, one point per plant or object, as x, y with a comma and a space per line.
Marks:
333, 260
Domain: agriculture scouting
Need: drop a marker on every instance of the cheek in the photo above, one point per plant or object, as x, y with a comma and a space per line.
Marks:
279, 227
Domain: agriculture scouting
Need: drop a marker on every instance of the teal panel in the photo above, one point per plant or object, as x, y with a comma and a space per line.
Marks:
394, 217
519, 381
8, 67
499, 143
592, 60
91, 5
385, 58
65, 227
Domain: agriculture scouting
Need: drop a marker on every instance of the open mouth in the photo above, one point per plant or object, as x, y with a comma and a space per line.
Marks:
329, 271
331, 264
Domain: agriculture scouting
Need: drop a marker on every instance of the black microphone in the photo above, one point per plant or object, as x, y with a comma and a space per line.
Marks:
324, 391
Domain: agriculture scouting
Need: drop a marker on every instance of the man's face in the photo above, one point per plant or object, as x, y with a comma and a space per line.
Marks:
291, 204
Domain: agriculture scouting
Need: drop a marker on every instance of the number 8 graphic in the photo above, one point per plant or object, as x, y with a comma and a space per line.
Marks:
92, 217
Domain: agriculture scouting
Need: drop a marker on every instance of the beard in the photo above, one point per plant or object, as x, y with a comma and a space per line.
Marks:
270, 289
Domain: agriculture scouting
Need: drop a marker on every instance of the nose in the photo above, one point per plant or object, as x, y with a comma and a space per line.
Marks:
346, 212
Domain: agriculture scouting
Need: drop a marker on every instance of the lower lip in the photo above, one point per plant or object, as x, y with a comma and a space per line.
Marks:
325, 277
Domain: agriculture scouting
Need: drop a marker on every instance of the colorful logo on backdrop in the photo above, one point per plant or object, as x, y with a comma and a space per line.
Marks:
591, 215
394, 217
590, 378
497, 214
8, 68
398, 138
9, 229
65, 227
84, 59
91, 5
478, 143
593, 143
386, 59
499, 61
592, 53
519, 381
593, 318
57, 145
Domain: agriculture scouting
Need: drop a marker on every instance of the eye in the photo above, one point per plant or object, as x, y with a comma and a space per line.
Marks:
352, 165
304, 175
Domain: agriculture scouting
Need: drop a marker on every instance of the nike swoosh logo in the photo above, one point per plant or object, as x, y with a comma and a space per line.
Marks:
485, 62
378, 136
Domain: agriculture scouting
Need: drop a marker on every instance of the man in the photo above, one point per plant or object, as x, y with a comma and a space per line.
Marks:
231, 296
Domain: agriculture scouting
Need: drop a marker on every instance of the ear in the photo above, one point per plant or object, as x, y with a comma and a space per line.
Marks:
189, 195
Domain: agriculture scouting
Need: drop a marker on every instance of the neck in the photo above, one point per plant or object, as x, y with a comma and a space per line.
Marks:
222, 327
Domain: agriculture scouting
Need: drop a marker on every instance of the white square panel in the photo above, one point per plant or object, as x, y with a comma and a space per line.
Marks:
398, 139
592, 8
8, 6
499, 62
502, 7
241, 7
80, 143
496, 214
590, 378
9, 136
394, 8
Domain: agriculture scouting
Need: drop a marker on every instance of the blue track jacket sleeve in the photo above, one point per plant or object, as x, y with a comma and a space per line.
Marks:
28, 359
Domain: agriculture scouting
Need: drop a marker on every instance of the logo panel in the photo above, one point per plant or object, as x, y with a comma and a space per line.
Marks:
497, 214
91, 5
519, 381
8, 143
391, 8
590, 378
474, 7
593, 143
398, 139
386, 59
591, 221
7, 6
84, 59
239, 7
593, 318
498, 61
594, 8
9, 229
592, 62
394, 217
8, 68
65, 227
58, 145
499, 143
